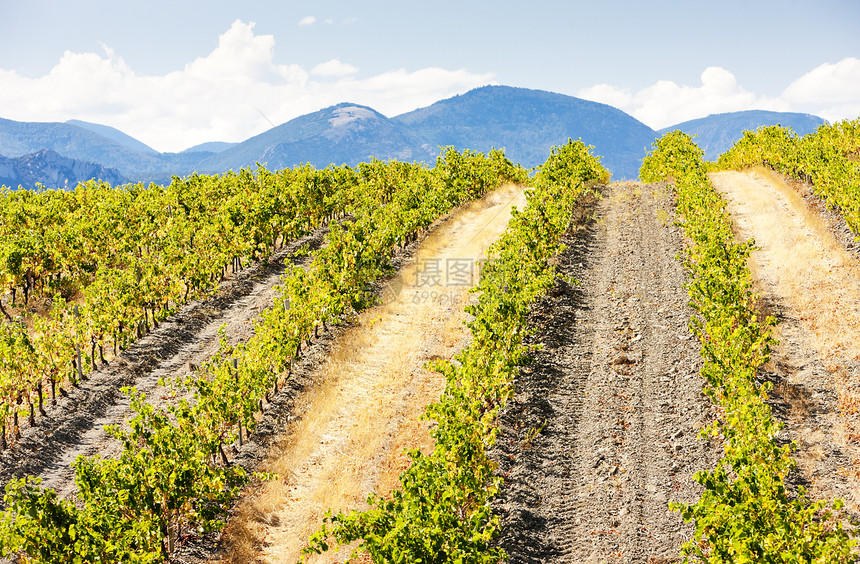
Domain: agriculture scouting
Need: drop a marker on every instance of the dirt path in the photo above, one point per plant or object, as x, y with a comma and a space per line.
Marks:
76, 425
812, 285
602, 433
353, 426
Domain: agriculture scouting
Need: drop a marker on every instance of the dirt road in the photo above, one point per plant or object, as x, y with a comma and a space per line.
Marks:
602, 433
353, 426
811, 283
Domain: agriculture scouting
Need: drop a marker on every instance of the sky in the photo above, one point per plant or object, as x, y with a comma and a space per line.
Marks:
181, 72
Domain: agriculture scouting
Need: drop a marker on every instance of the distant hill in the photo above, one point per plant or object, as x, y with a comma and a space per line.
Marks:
72, 141
210, 147
48, 168
341, 134
114, 134
717, 133
527, 123
22, 138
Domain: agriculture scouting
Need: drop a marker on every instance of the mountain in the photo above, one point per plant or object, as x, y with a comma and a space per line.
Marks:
527, 123
22, 138
72, 141
210, 147
717, 133
114, 134
52, 170
341, 134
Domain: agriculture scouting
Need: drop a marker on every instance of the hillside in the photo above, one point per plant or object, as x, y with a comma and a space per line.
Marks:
528, 122
114, 134
341, 134
592, 436
72, 141
210, 147
89, 143
52, 170
717, 133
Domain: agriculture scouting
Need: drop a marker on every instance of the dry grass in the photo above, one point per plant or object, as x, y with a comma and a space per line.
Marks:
811, 273
800, 259
356, 425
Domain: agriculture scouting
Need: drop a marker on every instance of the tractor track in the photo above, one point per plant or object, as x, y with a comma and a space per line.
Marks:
602, 432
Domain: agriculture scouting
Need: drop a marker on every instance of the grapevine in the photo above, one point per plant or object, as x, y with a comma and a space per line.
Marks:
174, 472
747, 512
441, 513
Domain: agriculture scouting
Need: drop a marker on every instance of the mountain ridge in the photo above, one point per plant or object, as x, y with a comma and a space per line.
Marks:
524, 122
716, 133
51, 170
333, 135
527, 123
113, 134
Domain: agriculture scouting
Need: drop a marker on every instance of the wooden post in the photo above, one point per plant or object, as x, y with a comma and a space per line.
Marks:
78, 364
236, 369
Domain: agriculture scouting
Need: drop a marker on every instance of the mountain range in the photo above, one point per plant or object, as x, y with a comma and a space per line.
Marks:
48, 168
526, 123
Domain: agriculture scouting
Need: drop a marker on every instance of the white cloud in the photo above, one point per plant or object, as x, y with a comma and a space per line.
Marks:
334, 67
243, 58
829, 90
218, 97
666, 103
307, 20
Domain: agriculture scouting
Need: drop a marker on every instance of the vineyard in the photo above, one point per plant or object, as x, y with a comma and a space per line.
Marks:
631, 374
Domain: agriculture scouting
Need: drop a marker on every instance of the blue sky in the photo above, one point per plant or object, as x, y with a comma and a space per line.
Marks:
178, 73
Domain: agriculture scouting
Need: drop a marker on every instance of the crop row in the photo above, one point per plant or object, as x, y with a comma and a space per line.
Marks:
173, 472
748, 511
441, 512
829, 159
114, 262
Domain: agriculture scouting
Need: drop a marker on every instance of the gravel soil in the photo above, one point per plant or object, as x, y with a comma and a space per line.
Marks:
602, 432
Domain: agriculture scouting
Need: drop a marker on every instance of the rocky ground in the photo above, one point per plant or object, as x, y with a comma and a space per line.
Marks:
602, 433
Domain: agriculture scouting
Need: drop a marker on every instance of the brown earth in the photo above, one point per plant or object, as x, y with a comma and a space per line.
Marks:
602, 433
75, 426
809, 279
350, 430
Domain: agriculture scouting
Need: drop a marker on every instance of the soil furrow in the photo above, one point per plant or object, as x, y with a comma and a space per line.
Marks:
75, 426
810, 282
602, 433
350, 430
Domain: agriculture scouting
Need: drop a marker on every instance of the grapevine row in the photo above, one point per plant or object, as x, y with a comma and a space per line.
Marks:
174, 472
747, 512
829, 159
441, 513
129, 256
